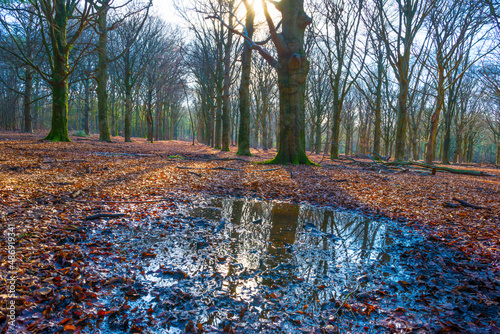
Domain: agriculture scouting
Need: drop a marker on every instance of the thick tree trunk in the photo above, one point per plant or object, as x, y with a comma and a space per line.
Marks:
292, 73
293, 67
102, 76
246, 67
59, 128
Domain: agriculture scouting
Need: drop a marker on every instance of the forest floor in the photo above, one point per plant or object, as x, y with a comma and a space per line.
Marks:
47, 189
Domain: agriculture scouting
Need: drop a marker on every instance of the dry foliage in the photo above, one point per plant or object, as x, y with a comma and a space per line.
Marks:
47, 189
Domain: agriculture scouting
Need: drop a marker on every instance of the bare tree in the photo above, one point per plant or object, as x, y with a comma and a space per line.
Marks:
455, 32
399, 24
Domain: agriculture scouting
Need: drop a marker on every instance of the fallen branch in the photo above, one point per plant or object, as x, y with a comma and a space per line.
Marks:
181, 167
105, 215
228, 159
226, 168
434, 168
197, 174
386, 159
468, 205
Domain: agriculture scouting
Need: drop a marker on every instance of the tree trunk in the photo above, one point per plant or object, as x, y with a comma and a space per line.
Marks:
401, 118
334, 149
149, 116
470, 150
28, 85
293, 67
226, 119
430, 147
497, 160
317, 125
158, 116
378, 109
292, 73
348, 136
448, 117
246, 67
447, 136
218, 122
128, 99
59, 128
265, 126
102, 75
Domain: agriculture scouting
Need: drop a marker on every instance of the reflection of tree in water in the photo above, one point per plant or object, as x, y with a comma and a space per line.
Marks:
284, 250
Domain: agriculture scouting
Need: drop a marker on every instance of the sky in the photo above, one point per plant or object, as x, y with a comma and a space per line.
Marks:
165, 9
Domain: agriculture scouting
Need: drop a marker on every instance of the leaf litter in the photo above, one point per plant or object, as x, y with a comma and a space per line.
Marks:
163, 269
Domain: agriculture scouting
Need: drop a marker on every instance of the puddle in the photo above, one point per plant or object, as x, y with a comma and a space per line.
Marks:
261, 266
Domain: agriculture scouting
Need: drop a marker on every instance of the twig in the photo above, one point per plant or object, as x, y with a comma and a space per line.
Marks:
181, 167
225, 168
199, 175
229, 159
105, 215
347, 297
468, 205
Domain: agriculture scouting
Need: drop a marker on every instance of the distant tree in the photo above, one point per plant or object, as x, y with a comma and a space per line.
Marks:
456, 29
61, 22
339, 42
399, 23
121, 12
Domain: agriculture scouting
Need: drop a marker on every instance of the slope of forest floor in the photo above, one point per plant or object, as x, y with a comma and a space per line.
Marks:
47, 189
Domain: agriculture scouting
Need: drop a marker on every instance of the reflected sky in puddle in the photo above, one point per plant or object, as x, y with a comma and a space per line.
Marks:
208, 261
246, 249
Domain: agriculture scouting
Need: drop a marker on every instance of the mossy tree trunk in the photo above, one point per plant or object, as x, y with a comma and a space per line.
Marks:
293, 67
60, 72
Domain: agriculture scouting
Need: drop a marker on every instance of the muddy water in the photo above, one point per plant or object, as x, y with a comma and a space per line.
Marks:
253, 264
